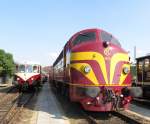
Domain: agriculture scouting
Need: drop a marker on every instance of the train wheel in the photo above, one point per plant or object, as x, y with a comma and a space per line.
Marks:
66, 93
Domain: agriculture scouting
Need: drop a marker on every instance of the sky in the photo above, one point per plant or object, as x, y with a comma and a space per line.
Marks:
37, 30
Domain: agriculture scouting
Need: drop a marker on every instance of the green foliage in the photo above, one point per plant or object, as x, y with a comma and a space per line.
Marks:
7, 65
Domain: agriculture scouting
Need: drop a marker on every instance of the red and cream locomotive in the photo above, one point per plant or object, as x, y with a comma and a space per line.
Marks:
27, 76
94, 70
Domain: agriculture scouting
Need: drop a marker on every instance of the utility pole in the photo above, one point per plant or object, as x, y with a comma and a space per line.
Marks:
134, 66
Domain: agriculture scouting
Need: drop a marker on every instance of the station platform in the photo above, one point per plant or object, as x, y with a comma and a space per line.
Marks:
48, 108
145, 112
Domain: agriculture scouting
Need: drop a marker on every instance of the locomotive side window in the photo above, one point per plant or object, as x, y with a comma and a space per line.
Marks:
108, 37
67, 57
59, 66
84, 37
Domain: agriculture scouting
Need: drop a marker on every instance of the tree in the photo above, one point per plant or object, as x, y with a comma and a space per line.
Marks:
2, 55
7, 66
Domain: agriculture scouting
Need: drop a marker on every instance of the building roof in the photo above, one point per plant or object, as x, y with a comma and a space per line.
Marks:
142, 57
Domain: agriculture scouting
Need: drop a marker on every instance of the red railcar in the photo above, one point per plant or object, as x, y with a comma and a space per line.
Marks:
27, 76
94, 70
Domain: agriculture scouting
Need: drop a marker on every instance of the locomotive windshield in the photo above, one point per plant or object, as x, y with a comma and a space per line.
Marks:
84, 37
108, 37
27, 68
21, 68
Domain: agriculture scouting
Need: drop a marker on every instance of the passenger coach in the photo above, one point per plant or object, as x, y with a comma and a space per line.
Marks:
143, 75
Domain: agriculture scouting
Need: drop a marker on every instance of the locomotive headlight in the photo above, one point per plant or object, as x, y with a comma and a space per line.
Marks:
126, 70
32, 79
87, 69
18, 79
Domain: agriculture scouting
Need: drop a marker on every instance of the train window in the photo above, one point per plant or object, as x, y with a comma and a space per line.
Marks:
35, 69
108, 37
21, 68
84, 37
140, 66
146, 65
67, 57
29, 68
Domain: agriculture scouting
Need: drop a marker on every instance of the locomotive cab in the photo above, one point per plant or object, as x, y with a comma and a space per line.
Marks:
27, 76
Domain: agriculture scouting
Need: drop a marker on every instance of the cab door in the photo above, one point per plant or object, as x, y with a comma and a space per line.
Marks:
67, 52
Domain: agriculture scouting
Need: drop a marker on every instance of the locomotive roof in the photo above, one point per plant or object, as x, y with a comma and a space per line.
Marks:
90, 29
59, 57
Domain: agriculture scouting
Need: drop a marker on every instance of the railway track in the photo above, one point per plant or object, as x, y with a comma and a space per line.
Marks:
6, 91
13, 106
105, 118
77, 115
122, 117
8, 95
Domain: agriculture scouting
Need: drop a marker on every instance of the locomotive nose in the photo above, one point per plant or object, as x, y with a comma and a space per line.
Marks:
117, 64
25, 77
